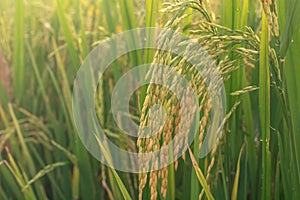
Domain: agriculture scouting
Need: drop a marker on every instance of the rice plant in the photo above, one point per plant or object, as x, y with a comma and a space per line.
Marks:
255, 45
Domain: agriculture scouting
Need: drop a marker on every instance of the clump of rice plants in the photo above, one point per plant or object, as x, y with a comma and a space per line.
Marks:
255, 45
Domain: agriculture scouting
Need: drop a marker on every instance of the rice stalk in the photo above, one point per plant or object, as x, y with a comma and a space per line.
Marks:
66, 29
19, 60
201, 177
47, 169
116, 176
264, 100
237, 176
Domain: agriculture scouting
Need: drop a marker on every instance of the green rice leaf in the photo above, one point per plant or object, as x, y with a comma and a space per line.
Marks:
201, 177
264, 107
